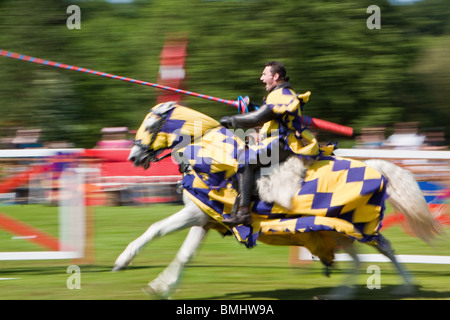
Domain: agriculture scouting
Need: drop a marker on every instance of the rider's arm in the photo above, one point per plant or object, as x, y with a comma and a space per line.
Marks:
251, 119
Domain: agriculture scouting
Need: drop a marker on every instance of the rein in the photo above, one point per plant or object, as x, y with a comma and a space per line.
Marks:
157, 129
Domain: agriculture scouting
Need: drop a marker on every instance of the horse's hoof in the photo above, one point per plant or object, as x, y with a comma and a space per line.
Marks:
118, 268
124, 260
339, 293
404, 290
149, 291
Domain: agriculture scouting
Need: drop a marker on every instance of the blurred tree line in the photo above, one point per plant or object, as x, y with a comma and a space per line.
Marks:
358, 76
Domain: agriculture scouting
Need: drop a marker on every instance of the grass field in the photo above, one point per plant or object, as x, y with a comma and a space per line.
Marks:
222, 269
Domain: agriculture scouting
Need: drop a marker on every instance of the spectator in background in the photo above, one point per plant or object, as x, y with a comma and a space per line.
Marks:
27, 138
435, 140
406, 136
371, 138
114, 138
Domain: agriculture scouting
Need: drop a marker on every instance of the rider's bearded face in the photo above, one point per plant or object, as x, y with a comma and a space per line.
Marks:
268, 78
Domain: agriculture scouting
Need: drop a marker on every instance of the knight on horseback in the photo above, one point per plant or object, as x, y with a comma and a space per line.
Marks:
281, 134
320, 204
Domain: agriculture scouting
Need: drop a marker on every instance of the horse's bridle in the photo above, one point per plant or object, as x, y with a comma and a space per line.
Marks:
152, 155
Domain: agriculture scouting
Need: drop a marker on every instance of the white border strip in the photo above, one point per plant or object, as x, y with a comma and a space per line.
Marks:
40, 255
32, 153
402, 258
391, 154
357, 153
69, 212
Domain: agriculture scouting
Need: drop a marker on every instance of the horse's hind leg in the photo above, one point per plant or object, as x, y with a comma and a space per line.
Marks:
187, 217
168, 279
346, 291
384, 246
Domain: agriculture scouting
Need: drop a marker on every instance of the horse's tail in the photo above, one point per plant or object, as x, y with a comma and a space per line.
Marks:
406, 197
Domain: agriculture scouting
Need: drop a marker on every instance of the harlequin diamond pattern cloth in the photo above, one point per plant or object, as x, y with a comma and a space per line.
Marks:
284, 102
180, 123
337, 194
344, 189
217, 156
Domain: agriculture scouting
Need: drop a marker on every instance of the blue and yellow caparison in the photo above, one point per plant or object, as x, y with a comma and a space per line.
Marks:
337, 194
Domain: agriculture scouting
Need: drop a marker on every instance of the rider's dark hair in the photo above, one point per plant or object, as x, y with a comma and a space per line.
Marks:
278, 67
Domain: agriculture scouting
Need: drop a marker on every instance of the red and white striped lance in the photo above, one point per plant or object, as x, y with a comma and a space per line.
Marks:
307, 121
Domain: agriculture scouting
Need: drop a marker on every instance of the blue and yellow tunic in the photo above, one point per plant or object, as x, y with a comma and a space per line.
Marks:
287, 126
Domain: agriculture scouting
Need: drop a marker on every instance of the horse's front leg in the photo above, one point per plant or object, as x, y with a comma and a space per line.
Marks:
168, 279
187, 217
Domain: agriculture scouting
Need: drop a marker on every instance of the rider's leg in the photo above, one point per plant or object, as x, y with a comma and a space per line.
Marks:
245, 188
245, 185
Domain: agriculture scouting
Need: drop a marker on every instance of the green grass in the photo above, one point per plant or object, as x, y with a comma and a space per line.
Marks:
222, 269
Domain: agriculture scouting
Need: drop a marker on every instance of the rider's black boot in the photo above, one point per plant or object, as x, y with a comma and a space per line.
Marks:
241, 212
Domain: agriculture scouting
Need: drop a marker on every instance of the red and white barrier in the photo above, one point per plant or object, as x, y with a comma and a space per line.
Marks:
71, 209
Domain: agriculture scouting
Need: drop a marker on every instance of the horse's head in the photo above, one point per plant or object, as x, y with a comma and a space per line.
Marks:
166, 126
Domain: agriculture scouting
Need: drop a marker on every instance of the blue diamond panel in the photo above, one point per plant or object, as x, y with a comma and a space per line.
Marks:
356, 174
322, 200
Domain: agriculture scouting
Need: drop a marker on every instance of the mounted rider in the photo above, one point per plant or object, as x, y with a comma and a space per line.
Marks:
282, 133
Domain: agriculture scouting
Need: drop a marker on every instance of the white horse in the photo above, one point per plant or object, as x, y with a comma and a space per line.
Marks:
403, 191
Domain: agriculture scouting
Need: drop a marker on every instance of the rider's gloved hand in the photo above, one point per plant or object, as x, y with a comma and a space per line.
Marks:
226, 121
252, 107
245, 105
